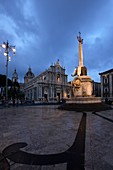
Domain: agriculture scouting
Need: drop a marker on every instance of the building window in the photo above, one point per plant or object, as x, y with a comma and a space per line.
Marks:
35, 93
105, 80
58, 77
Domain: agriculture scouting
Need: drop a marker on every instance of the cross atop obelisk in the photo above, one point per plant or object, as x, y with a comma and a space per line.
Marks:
80, 40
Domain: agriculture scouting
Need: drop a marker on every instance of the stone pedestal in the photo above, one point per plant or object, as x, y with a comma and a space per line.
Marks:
82, 86
84, 100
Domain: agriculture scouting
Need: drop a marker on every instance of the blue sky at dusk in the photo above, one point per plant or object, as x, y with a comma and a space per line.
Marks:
46, 30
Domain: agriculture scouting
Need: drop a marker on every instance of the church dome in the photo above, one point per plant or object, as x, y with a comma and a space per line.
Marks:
28, 76
29, 73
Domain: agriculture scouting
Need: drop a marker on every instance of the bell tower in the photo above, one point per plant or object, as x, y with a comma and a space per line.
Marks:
15, 76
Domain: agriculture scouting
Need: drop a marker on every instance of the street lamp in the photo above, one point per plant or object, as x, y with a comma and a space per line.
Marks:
8, 48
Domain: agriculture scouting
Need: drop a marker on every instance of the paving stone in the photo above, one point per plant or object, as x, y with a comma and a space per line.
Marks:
48, 130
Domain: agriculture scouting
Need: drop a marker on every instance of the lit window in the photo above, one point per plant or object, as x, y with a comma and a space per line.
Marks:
58, 77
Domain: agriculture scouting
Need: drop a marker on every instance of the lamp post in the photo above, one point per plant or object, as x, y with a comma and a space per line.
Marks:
8, 48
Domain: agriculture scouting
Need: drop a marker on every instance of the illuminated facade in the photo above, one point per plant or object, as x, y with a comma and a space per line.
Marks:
106, 78
51, 85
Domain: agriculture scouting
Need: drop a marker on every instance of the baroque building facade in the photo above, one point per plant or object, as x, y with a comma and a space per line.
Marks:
106, 78
50, 85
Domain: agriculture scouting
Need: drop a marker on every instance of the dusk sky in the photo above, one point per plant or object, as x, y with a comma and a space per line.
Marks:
46, 30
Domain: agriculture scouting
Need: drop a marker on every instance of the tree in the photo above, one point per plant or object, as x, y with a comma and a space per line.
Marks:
15, 90
3, 85
3, 81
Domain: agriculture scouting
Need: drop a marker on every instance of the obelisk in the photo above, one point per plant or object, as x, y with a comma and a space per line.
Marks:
82, 84
80, 40
82, 70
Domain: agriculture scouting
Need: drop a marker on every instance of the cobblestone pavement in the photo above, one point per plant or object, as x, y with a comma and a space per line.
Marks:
48, 130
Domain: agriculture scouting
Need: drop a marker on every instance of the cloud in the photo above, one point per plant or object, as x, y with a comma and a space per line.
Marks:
44, 31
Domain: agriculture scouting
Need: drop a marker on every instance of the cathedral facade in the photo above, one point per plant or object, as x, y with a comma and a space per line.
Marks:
50, 85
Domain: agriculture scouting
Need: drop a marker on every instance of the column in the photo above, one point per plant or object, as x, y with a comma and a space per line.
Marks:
110, 85
102, 87
80, 40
